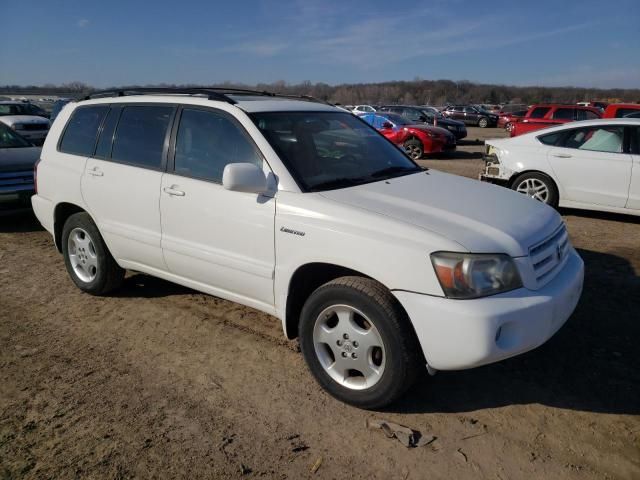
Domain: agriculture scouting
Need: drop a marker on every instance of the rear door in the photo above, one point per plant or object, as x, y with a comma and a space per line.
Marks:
220, 239
593, 165
121, 183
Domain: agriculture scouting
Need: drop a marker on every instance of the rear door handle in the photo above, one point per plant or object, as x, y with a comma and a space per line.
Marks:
96, 172
562, 155
172, 191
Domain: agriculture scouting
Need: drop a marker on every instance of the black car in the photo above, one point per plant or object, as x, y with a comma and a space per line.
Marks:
471, 115
17, 159
428, 115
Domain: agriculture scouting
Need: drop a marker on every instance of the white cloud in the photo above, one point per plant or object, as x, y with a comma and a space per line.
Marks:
82, 23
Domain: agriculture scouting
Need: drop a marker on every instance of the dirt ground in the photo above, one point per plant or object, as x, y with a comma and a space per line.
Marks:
159, 381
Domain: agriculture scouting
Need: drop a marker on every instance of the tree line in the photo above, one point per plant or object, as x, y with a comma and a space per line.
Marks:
418, 91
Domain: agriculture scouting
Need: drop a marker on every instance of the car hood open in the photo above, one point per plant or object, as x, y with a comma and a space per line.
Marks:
483, 218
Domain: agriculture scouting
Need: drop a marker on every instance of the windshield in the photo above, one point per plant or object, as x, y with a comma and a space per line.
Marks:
327, 150
432, 112
10, 139
397, 119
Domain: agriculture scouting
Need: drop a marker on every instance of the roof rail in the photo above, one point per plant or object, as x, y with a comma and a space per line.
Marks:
212, 93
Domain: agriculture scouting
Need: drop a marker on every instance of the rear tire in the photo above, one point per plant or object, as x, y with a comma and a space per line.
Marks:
358, 343
87, 258
414, 148
483, 122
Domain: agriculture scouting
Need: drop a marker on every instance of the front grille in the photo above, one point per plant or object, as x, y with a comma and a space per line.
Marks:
34, 126
11, 182
549, 255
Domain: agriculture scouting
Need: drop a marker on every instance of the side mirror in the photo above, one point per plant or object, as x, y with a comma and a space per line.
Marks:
244, 177
387, 125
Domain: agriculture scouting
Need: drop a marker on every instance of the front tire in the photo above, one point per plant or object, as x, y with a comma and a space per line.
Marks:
87, 258
483, 123
537, 186
358, 343
414, 148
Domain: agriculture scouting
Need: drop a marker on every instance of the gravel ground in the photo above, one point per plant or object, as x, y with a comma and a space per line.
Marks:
160, 381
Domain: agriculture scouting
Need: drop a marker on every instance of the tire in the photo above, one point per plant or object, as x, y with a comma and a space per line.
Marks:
370, 374
508, 126
483, 122
538, 186
87, 258
414, 148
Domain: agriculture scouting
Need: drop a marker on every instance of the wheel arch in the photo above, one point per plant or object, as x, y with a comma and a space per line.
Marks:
304, 281
61, 213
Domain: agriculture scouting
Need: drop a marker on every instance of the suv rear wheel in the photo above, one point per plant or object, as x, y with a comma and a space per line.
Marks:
357, 342
88, 261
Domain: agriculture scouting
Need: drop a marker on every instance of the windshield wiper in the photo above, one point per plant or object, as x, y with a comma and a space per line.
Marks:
337, 183
395, 169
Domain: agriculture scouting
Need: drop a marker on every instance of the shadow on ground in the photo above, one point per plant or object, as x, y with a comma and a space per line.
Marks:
592, 364
14, 220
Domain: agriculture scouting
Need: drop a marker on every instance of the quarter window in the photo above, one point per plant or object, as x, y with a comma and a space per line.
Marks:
140, 136
209, 141
82, 130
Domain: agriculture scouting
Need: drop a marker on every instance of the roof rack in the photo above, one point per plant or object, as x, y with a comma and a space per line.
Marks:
212, 93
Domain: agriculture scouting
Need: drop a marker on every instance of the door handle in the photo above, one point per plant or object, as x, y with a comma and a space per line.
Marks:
96, 172
172, 191
562, 155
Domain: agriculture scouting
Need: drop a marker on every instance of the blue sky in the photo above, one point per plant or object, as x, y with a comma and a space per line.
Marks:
593, 43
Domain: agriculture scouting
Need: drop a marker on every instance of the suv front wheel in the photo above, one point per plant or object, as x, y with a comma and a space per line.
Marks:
358, 343
88, 261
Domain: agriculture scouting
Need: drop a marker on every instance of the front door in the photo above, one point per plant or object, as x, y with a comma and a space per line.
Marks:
592, 166
219, 239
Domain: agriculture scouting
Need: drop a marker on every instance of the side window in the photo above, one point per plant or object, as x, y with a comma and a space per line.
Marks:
551, 138
81, 133
564, 114
588, 115
207, 142
411, 114
139, 139
103, 149
598, 139
635, 140
623, 112
539, 112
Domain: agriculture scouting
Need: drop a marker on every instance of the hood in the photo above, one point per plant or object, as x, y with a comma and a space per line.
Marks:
431, 128
12, 119
481, 217
18, 159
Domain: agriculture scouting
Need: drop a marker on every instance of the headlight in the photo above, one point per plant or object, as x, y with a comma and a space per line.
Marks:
470, 275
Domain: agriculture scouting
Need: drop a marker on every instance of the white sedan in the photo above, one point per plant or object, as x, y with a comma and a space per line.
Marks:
593, 165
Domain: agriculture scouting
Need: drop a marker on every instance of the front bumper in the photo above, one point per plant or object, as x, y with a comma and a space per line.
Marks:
460, 334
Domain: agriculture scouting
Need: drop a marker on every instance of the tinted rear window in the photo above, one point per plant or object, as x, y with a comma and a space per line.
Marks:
79, 137
623, 112
140, 136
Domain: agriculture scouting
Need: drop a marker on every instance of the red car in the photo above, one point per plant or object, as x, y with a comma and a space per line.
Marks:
416, 139
548, 115
506, 120
620, 110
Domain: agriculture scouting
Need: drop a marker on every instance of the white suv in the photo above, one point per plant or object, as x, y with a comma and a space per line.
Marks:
305, 212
